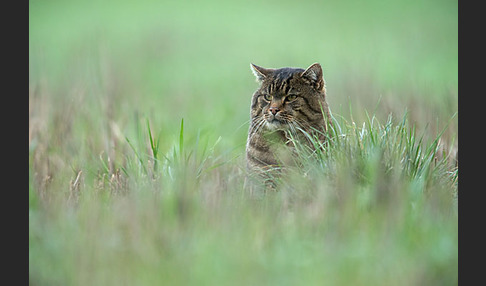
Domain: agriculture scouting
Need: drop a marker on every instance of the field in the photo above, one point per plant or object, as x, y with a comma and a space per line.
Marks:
138, 117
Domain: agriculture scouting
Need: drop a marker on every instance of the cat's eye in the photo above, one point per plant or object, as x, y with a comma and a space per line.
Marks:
291, 97
267, 97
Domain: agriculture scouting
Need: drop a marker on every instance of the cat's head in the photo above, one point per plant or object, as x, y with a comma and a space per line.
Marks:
288, 98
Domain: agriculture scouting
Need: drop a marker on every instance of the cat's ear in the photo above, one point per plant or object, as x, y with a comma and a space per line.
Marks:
259, 72
314, 75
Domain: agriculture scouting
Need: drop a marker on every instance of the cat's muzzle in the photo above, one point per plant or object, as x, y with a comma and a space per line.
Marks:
274, 123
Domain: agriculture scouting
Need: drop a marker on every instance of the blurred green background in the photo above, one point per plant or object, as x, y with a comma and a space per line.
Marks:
189, 59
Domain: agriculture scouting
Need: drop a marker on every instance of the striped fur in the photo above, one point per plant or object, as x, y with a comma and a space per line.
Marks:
289, 103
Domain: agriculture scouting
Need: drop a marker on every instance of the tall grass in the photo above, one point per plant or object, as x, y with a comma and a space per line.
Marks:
376, 206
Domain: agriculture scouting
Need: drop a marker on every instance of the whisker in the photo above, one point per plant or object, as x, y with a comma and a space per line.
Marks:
257, 124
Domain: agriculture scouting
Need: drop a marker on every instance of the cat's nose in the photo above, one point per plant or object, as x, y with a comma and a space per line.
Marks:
274, 110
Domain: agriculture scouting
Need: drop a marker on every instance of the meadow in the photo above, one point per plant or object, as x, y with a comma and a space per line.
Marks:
138, 117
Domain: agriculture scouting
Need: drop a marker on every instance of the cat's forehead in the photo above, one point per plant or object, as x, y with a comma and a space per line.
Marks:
282, 75
282, 80
285, 73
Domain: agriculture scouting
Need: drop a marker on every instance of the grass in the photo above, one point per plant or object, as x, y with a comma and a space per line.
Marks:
376, 206
138, 116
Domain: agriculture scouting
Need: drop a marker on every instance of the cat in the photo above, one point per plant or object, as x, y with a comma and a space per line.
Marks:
290, 104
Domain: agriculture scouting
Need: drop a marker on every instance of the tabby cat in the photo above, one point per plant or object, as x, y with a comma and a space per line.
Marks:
289, 104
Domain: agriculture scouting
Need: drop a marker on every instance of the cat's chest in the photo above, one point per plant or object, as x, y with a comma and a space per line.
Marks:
282, 148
